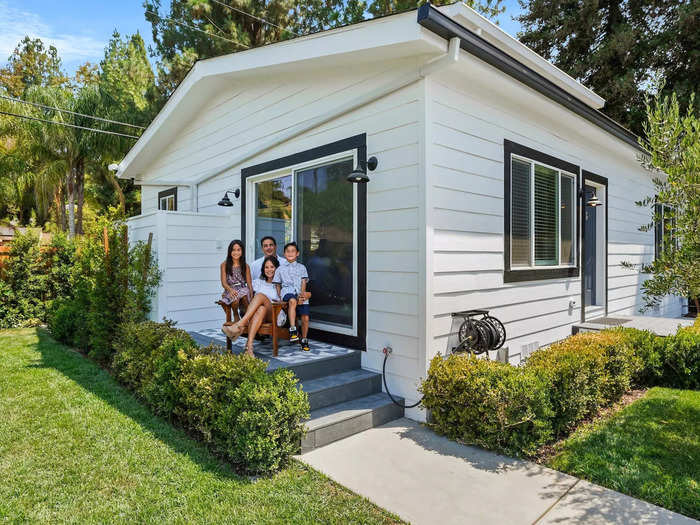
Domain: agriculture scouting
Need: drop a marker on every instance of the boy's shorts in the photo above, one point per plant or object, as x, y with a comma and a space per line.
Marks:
302, 309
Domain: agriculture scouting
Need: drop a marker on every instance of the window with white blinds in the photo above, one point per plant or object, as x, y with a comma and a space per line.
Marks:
542, 215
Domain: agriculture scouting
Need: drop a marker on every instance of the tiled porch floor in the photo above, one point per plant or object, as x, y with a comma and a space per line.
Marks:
288, 355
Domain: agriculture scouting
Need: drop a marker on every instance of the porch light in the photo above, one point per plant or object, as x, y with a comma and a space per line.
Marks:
359, 176
225, 201
593, 201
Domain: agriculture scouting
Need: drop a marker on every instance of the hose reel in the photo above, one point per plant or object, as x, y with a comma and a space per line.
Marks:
478, 332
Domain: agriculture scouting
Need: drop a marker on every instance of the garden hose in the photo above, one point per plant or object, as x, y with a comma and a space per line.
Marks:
387, 350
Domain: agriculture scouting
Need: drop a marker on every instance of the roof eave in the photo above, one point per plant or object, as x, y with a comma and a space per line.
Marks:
432, 19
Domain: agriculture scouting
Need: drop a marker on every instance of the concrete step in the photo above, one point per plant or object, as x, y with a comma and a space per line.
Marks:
334, 422
338, 388
323, 367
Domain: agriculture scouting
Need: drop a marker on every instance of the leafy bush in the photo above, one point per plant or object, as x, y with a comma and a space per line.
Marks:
515, 410
672, 361
680, 358
490, 404
574, 371
67, 322
159, 386
622, 364
252, 418
645, 345
262, 427
135, 348
33, 277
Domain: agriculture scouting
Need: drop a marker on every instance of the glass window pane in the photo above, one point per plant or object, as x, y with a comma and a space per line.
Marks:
567, 220
546, 216
324, 217
520, 214
273, 212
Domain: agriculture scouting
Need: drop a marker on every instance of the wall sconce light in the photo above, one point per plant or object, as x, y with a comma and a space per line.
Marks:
225, 201
592, 201
358, 175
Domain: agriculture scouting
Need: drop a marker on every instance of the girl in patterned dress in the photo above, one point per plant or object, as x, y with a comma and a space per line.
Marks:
235, 277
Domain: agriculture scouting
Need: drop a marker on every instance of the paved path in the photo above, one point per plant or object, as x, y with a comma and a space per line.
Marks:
428, 479
658, 325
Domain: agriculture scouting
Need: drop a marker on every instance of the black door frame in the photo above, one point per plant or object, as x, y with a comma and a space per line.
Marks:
359, 143
601, 181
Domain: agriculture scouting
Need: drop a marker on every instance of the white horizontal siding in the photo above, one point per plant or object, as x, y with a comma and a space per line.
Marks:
471, 111
246, 114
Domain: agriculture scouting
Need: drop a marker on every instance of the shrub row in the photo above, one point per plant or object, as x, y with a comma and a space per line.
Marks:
106, 288
252, 418
518, 409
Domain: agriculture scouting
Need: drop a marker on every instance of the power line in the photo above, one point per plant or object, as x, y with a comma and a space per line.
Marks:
69, 125
71, 112
256, 17
197, 29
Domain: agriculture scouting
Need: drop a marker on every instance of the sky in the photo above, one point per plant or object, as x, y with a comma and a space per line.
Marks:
80, 29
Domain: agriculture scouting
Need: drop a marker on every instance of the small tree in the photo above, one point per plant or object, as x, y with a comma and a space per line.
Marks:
673, 143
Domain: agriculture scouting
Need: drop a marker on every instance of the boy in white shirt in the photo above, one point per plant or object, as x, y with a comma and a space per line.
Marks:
291, 280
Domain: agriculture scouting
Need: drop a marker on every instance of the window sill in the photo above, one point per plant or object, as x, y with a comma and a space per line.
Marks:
535, 274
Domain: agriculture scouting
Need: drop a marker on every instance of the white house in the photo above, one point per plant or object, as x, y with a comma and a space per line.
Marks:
483, 151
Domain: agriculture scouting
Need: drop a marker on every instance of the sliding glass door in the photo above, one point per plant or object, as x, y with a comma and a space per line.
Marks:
314, 205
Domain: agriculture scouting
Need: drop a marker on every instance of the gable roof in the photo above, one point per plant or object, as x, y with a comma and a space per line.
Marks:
388, 37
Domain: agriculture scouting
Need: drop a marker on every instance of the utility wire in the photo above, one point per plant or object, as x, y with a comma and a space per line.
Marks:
256, 17
197, 29
69, 125
36, 104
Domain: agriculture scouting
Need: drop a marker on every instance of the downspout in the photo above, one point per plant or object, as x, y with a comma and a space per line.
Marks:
430, 67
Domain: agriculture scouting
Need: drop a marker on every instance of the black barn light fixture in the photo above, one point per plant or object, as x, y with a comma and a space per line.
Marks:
359, 176
593, 201
225, 201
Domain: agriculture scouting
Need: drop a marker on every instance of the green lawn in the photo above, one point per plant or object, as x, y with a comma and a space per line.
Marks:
649, 450
76, 447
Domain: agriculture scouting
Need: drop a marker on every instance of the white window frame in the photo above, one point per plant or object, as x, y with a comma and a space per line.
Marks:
292, 170
560, 173
164, 203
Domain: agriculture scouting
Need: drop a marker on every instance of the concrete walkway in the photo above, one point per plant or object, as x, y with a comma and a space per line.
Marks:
428, 479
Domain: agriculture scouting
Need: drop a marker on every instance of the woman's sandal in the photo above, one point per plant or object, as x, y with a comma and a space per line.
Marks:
232, 331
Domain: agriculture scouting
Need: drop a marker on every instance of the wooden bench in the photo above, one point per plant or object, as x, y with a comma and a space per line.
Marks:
267, 328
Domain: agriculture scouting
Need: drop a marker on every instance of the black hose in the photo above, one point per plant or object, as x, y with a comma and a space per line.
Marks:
386, 356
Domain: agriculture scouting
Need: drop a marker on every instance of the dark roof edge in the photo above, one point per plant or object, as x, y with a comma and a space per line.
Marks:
444, 26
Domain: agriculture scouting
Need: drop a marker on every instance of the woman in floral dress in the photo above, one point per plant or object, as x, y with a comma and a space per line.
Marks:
235, 277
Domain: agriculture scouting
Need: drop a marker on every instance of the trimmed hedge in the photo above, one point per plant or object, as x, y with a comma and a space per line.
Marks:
517, 409
584, 372
489, 404
252, 418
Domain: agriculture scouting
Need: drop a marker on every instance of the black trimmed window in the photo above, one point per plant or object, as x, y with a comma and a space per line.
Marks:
167, 199
541, 211
664, 226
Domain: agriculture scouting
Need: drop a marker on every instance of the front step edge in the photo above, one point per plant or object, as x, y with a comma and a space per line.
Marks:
336, 422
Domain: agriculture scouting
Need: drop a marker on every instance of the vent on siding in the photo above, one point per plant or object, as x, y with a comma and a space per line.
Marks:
528, 348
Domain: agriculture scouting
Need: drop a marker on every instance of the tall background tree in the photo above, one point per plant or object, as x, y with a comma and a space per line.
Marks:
47, 163
32, 64
189, 30
620, 49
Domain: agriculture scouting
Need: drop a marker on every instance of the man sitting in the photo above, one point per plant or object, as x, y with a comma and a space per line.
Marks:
269, 247
291, 280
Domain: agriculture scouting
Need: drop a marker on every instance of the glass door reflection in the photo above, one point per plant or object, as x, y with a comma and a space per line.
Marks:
324, 217
273, 212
